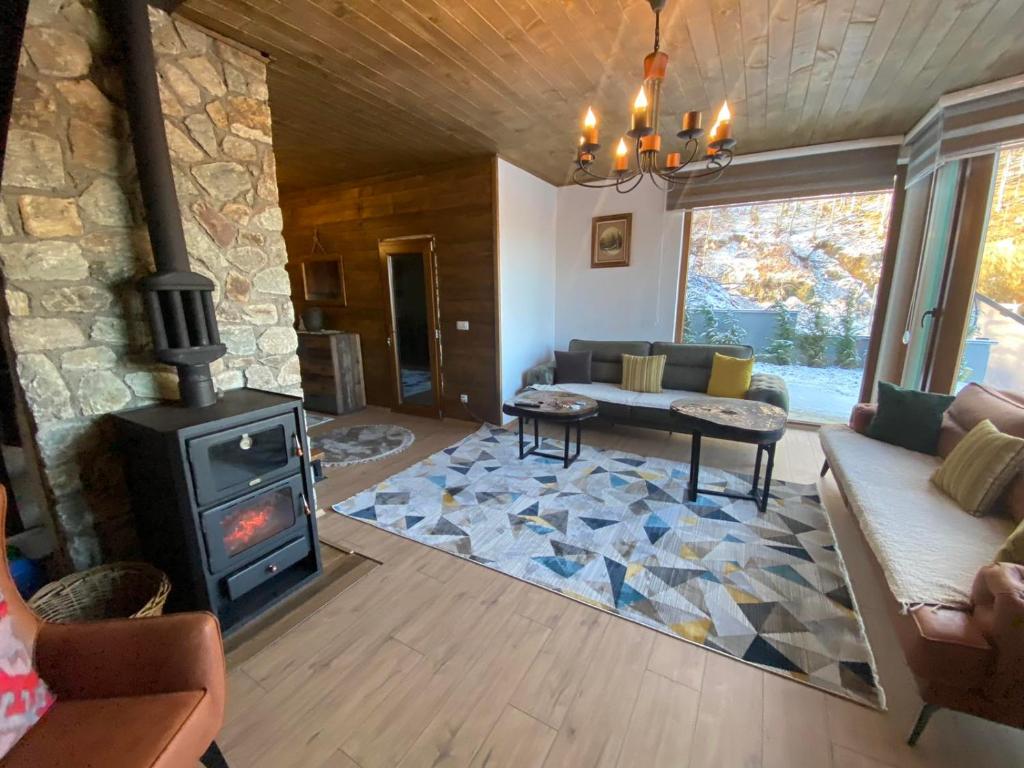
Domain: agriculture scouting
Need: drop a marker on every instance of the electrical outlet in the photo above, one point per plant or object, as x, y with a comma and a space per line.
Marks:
462, 325
464, 397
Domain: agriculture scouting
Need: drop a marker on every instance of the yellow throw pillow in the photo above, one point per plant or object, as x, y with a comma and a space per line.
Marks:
1012, 550
730, 376
643, 373
980, 467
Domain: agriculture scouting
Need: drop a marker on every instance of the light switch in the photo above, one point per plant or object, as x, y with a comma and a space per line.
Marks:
462, 325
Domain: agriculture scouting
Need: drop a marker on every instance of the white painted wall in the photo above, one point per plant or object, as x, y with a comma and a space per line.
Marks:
637, 302
526, 264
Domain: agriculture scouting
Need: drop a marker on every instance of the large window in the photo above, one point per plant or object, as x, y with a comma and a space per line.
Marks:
796, 279
995, 334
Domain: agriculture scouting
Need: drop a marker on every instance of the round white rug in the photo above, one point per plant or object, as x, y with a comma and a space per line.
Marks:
346, 445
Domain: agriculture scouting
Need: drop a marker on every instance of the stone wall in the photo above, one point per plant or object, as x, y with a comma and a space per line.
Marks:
73, 244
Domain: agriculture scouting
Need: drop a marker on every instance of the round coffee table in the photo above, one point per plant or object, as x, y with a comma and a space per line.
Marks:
742, 421
556, 407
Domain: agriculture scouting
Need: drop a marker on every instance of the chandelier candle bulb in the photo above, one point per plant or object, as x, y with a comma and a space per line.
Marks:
590, 128
641, 120
724, 123
691, 121
622, 156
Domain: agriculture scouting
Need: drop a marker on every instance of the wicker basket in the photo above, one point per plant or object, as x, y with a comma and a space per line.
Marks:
113, 591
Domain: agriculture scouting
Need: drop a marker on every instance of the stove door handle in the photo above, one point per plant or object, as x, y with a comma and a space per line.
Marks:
305, 505
298, 445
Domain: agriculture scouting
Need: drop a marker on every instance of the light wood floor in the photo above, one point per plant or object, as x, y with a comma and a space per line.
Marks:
430, 660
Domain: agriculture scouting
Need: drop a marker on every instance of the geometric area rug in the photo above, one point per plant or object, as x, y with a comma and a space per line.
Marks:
615, 531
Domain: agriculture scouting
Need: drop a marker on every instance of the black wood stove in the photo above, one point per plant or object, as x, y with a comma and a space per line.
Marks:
223, 500
221, 486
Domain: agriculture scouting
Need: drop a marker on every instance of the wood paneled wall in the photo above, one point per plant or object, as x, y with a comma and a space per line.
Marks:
457, 205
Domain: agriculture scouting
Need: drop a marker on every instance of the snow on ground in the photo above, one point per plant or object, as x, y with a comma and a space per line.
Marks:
818, 394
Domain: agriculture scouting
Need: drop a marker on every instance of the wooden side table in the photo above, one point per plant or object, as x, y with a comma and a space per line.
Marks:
331, 366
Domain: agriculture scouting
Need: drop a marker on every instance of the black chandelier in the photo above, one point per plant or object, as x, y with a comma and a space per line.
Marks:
646, 138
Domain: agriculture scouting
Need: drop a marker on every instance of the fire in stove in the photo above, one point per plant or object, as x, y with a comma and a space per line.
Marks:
252, 524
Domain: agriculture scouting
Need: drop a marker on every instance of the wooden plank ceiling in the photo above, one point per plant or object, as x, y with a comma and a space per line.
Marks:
362, 87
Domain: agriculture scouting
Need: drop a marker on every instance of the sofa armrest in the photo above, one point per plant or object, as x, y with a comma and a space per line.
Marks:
861, 417
540, 374
998, 595
947, 647
769, 388
132, 657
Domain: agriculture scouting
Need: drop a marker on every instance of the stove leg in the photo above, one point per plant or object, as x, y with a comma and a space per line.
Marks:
213, 757
927, 710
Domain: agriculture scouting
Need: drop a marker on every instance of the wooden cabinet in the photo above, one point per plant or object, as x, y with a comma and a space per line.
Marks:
332, 371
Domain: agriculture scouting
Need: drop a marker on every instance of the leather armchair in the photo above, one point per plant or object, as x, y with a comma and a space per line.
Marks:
131, 693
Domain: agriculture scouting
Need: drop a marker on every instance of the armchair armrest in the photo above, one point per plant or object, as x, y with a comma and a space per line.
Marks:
131, 657
540, 374
769, 388
998, 595
861, 417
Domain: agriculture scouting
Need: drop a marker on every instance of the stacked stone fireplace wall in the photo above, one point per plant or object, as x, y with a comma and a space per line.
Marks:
73, 245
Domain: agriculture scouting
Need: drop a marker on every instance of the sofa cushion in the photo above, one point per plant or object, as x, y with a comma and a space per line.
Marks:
928, 548
688, 366
614, 393
642, 373
978, 470
1006, 411
730, 376
572, 367
606, 356
908, 418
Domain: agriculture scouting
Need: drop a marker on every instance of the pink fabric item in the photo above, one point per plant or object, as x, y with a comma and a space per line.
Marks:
24, 697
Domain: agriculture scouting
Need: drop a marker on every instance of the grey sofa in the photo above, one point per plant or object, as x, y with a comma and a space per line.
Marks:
687, 372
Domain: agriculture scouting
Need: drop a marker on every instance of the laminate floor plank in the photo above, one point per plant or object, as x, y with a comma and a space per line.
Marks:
660, 732
595, 725
550, 686
731, 716
517, 741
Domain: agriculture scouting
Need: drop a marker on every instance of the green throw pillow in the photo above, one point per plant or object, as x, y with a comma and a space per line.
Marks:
908, 418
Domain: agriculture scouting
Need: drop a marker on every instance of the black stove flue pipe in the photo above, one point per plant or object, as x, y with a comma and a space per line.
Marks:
179, 302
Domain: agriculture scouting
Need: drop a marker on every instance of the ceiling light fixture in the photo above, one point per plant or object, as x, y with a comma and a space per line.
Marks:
646, 138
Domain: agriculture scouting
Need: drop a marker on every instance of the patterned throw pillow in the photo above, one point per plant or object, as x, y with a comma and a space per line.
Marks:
643, 373
978, 470
24, 698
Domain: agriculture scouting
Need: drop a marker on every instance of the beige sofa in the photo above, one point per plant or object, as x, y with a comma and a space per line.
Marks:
961, 617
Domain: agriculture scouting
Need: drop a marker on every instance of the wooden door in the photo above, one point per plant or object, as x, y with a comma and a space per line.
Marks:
409, 273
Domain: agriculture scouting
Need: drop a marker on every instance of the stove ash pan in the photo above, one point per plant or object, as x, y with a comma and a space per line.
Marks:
223, 500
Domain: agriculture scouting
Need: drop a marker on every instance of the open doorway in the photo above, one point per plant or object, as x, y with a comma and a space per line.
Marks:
409, 272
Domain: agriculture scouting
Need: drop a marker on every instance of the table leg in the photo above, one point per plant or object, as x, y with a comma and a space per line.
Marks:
757, 470
768, 477
565, 459
521, 442
694, 465
579, 431
536, 432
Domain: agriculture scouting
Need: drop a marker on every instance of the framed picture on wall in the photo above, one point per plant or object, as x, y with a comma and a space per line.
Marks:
323, 280
609, 240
